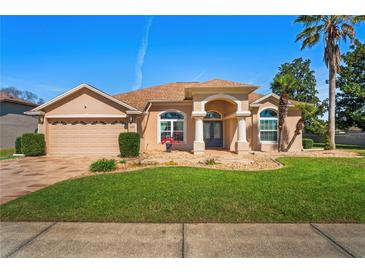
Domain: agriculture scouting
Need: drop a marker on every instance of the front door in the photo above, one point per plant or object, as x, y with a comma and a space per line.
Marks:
213, 133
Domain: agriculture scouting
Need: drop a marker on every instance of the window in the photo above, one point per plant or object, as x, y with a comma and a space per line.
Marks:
268, 126
172, 125
213, 115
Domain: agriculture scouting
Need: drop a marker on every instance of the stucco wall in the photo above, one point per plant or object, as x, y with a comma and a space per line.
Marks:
230, 133
84, 102
289, 128
148, 124
241, 98
351, 138
148, 127
81, 102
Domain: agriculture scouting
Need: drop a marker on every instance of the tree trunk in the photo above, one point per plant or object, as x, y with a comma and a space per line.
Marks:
283, 112
298, 130
332, 106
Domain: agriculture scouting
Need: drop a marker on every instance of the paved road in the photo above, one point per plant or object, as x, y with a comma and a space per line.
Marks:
42, 239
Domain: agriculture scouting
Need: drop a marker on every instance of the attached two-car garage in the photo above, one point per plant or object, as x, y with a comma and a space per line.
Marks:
88, 136
84, 120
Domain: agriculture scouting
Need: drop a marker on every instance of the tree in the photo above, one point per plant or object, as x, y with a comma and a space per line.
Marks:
283, 83
25, 95
306, 110
332, 28
305, 90
351, 82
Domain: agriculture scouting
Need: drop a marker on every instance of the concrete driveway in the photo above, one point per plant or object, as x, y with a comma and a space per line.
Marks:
21, 176
67, 240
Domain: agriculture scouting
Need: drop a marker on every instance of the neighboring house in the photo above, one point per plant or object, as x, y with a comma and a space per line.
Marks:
198, 115
13, 121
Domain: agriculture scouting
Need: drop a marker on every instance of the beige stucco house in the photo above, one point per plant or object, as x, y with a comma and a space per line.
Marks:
197, 115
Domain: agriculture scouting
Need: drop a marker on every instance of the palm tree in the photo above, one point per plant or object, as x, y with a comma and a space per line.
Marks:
306, 110
332, 28
284, 83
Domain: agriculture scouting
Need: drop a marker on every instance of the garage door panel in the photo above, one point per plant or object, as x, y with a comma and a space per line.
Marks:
84, 138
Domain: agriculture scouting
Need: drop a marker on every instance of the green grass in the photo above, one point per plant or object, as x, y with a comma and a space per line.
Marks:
6, 153
305, 190
358, 149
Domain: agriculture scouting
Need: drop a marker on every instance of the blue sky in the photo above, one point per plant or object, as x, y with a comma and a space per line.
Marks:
51, 54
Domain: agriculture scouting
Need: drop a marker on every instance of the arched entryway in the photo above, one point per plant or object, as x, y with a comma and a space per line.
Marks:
220, 121
213, 129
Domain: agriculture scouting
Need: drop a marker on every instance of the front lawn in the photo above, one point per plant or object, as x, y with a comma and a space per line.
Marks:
6, 153
306, 190
353, 148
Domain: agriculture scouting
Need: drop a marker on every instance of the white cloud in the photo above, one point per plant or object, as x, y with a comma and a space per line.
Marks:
198, 76
141, 55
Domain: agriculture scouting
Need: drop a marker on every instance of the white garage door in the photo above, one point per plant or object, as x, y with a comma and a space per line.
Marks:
84, 137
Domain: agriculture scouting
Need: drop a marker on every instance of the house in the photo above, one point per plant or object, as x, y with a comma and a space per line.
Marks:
197, 115
13, 121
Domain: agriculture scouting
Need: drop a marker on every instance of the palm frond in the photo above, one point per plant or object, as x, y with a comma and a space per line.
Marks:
310, 41
309, 31
358, 19
347, 31
337, 56
308, 20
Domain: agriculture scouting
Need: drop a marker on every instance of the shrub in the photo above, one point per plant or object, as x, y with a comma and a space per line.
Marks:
307, 143
327, 142
103, 165
129, 144
33, 144
210, 162
18, 145
122, 161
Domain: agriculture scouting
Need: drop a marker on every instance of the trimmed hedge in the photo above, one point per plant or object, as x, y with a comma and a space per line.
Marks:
307, 143
129, 143
33, 144
103, 165
18, 145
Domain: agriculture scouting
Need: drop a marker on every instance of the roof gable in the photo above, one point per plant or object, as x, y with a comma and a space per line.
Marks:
78, 88
267, 97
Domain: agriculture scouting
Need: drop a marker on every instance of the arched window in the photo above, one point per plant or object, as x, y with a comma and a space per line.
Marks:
172, 124
268, 126
213, 115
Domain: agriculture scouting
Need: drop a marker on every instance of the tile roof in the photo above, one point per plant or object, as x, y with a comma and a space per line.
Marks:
7, 97
174, 92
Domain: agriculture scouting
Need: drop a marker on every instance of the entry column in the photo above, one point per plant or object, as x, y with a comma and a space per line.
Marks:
241, 143
199, 145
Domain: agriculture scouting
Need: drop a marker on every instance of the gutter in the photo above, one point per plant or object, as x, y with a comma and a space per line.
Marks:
34, 113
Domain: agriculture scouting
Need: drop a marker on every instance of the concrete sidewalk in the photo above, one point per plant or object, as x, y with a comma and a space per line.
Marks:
42, 239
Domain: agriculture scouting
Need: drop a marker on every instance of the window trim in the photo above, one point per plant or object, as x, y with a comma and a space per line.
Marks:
268, 118
213, 119
159, 124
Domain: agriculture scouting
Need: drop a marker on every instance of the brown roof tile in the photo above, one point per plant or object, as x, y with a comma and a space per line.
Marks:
6, 97
173, 92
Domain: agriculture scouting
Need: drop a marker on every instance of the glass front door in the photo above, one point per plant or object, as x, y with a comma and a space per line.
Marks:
213, 133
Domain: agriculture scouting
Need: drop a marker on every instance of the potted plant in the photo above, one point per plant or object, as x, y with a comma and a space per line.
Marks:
168, 141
